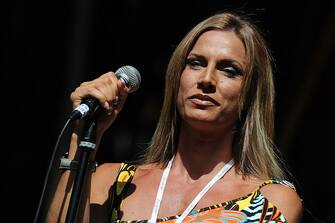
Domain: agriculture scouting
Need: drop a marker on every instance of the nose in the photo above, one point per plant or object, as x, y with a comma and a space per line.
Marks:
207, 81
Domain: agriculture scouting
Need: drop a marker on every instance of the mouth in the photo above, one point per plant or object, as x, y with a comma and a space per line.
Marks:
202, 99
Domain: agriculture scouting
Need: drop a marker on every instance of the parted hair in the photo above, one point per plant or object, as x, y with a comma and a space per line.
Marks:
253, 148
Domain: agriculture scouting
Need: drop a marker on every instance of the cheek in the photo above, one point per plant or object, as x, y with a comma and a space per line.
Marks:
231, 88
181, 98
184, 87
231, 93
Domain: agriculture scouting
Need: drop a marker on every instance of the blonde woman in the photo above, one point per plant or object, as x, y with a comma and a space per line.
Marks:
211, 157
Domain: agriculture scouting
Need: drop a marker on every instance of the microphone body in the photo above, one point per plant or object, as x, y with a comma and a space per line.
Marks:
127, 74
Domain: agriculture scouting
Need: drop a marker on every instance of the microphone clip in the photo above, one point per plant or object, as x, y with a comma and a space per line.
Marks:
87, 107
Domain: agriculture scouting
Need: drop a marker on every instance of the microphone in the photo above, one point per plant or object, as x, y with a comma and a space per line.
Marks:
127, 74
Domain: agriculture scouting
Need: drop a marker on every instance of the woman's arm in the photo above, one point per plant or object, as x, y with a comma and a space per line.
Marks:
106, 89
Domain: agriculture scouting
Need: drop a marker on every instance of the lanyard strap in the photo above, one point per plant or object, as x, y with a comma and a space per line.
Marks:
162, 184
160, 191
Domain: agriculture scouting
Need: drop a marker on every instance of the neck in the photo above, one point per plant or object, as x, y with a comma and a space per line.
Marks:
202, 153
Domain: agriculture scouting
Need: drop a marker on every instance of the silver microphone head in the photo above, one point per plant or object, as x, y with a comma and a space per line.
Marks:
130, 76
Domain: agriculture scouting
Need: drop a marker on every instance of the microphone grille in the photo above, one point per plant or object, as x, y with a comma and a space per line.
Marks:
130, 76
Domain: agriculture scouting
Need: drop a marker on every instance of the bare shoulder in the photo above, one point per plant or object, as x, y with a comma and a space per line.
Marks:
102, 180
145, 170
105, 172
286, 199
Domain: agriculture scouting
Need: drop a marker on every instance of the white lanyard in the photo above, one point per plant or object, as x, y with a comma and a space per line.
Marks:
162, 184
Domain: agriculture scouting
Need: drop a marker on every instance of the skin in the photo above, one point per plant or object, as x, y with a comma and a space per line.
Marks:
207, 103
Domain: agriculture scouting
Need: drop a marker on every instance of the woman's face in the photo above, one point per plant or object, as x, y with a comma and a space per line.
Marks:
210, 84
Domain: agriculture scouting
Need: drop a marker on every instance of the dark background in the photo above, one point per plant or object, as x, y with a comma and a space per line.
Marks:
49, 47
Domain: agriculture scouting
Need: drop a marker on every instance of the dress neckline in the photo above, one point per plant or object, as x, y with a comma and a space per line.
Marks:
210, 207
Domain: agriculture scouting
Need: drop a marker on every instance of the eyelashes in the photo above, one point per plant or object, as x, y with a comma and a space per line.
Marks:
232, 70
195, 63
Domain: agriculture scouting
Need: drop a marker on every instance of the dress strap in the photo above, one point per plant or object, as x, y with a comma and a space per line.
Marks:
120, 187
277, 181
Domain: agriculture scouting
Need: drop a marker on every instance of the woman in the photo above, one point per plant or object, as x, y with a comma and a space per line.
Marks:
211, 156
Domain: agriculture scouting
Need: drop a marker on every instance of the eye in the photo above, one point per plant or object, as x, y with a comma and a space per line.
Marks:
195, 63
232, 71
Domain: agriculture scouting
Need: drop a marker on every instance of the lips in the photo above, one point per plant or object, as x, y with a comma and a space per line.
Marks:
204, 98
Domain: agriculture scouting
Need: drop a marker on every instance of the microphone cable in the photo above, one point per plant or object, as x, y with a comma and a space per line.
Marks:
131, 78
49, 170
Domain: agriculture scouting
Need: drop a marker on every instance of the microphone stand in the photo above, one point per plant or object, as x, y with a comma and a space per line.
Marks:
85, 147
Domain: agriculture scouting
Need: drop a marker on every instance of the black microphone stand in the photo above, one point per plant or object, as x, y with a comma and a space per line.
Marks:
85, 147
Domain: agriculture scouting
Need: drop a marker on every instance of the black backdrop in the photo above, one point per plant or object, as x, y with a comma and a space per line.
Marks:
49, 47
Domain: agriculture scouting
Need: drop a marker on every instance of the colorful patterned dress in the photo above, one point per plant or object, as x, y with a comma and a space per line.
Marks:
251, 208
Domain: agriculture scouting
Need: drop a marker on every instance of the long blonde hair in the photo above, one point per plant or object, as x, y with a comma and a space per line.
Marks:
254, 152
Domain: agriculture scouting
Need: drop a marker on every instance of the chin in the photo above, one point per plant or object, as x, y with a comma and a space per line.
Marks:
201, 122
207, 121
